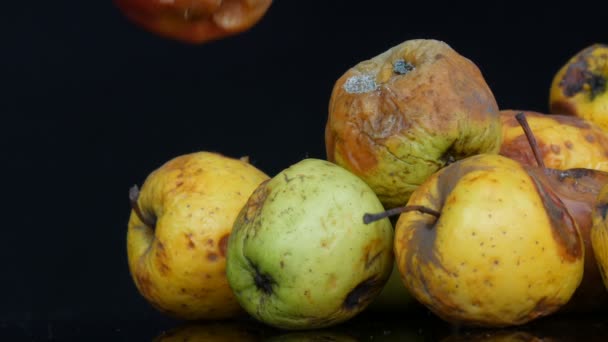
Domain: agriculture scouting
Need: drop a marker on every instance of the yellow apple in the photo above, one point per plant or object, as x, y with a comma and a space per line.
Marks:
178, 231
494, 247
579, 87
565, 141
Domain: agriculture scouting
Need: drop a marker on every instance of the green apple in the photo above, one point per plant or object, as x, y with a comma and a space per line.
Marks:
300, 255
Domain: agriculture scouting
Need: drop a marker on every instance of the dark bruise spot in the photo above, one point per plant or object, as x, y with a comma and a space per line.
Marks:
223, 244
402, 67
263, 282
576, 173
569, 144
602, 209
191, 244
361, 294
555, 149
564, 227
212, 256
590, 138
282, 264
578, 75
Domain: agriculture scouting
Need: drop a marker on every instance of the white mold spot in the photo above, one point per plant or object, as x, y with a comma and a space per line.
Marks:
360, 84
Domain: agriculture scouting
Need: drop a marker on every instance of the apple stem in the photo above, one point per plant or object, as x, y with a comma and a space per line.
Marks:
133, 196
369, 218
523, 122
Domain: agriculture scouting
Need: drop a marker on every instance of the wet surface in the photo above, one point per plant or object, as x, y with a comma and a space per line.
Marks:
368, 326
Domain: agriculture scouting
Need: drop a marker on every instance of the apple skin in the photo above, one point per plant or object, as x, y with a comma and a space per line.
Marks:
579, 87
575, 153
300, 256
578, 190
397, 118
179, 264
565, 141
503, 251
194, 21
599, 233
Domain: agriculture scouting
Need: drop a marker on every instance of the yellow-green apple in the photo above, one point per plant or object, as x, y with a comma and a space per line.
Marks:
194, 21
399, 117
300, 256
178, 231
579, 86
499, 249
565, 141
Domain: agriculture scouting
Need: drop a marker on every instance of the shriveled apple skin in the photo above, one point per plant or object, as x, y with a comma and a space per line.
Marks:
300, 256
599, 233
565, 142
394, 126
194, 21
503, 251
579, 86
179, 265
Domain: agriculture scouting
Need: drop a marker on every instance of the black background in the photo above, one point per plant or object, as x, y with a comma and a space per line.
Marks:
91, 104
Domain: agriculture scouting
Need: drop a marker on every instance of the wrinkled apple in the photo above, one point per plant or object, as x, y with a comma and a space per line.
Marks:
399, 117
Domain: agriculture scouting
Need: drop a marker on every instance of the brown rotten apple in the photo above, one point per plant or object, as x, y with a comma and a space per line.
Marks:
194, 21
565, 142
399, 117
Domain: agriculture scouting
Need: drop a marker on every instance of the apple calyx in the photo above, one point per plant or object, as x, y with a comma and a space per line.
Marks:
523, 122
369, 218
133, 196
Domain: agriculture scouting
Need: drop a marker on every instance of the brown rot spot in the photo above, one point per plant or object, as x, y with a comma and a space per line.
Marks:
256, 201
590, 138
190, 242
580, 76
178, 184
361, 294
163, 269
569, 144
209, 242
212, 256
223, 244
555, 149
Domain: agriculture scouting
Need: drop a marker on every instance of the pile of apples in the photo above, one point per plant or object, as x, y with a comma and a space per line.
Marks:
501, 214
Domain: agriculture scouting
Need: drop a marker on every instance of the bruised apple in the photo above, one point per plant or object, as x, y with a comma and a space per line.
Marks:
488, 243
565, 142
579, 87
399, 117
194, 21
178, 231
575, 185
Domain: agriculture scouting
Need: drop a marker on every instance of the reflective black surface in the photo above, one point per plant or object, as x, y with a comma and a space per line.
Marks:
367, 326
